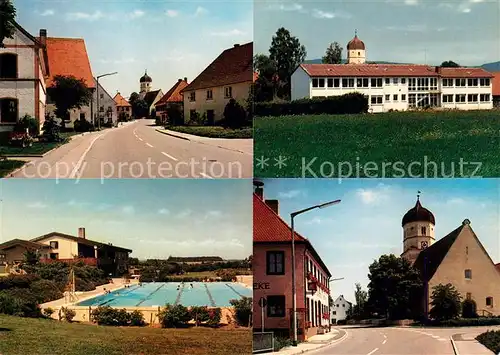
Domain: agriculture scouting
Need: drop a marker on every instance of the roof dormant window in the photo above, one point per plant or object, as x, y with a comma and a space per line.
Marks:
460, 82
484, 97
348, 82
210, 94
484, 82
8, 66
447, 98
460, 98
192, 96
472, 82
468, 274
228, 92
472, 97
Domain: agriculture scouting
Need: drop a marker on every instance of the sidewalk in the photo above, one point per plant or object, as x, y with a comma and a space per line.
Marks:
315, 342
466, 344
244, 146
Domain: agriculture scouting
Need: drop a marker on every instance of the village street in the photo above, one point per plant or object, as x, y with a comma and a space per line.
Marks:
406, 340
138, 150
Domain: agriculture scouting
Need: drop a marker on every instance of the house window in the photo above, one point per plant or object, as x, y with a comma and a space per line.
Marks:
210, 94
468, 274
472, 82
275, 262
484, 82
54, 244
192, 96
460, 98
489, 301
228, 92
275, 306
8, 66
82, 115
376, 100
395, 97
334, 313
387, 97
423, 230
127, 109
403, 96
466, 250
472, 97
102, 96
8, 110
447, 98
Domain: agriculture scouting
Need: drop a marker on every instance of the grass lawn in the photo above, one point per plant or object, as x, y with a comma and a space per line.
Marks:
42, 336
7, 166
38, 148
372, 140
491, 340
214, 131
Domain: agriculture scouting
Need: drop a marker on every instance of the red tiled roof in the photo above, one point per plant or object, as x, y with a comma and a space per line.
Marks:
234, 65
120, 101
268, 227
465, 73
496, 83
68, 56
385, 70
174, 94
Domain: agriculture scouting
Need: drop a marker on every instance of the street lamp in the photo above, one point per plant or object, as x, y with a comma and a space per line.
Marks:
294, 291
97, 92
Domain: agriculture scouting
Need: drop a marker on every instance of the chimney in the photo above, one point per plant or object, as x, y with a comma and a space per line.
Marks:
259, 189
81, 232
185, 79
274, 204
43, 37
236, 45
179, 80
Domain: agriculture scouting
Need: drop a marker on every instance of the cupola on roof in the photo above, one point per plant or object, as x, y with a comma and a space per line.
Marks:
356, 43
145, 78
418, 214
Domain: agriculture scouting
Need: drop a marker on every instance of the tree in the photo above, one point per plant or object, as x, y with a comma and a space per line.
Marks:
469, 309
265, 88
445, 302
359, 310
450, 64
333, 54
67, 93
31, 257
287, 53
7, 18
140, 108
133, 98
395, 289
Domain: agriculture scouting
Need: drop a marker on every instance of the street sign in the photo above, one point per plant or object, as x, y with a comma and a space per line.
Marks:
262, 302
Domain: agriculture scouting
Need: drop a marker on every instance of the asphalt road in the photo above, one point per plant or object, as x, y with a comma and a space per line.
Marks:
137, 150
397, 341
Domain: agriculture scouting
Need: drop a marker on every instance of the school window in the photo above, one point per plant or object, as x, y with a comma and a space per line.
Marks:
192, 96
376, 82
395, 81
472, 97
348, 83
336, 82
447, 82
329, 82
8, 66
54, 244
403, 80
472, 82
334, 313
447, 98
484, 97
387, 97
321, 82
275, 262
228, 92
387, 81
468, 274
362, 83
376, 100
484, 82
459, 82
210, 94
460, 98
315, 82
275, 306
489, 301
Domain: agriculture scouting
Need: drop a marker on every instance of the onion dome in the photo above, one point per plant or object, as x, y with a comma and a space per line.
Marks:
418, 214
355, 44
145, 78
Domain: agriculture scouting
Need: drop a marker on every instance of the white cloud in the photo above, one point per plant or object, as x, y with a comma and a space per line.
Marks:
184, 213
372, 196
405, 2
317, 220
411, 2
76, 16
230, 33
200, 11
287, 7
409, 28
172, 13
137, 14
37, 205
329, 15
464, 7
128, 209
290, 194
48, 12
163, 211
213, 214
456, 201
119, 61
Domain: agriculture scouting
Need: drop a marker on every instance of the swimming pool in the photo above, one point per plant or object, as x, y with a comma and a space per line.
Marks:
212, 294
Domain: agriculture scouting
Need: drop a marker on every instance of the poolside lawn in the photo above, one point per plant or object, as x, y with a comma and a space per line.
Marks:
8, 166
368, 141
41, 336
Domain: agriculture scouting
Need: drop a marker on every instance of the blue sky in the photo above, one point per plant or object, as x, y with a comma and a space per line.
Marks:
407, 31
171, 39
155, 218
367, 223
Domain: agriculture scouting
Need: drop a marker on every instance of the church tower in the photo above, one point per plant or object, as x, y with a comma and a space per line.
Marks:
145, 82
418, 231
356, 52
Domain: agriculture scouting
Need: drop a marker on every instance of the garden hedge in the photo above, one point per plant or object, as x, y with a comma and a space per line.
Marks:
352, 103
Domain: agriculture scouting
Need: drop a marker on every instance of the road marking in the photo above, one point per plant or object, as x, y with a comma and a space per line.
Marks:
149, 145
385, 336
372, 352
168, 155
384, 341
209, 177
436, 336
80, 161
140, 139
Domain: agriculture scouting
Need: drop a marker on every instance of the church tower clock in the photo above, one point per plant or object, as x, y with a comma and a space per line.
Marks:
418, 231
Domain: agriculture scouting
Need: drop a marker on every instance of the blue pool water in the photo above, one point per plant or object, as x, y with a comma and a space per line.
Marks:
212, 294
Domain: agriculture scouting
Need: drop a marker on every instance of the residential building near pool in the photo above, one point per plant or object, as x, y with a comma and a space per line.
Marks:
272, 275
395, 86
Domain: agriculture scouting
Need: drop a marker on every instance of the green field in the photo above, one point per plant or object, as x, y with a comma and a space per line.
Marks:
8, 166
379, 145
42, 336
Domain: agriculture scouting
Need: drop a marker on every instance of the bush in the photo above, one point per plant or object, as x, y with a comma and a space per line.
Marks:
467, 322
68, 314
243, 310
18, 302
46, 291
346, 104
28, 122
491, 340
227, 275
235, 115
280, 343
174, 316
341, 322
469, 309
17, 281
199, 314
137, 319
82, 125
175, 115
51, 130
105, 315
214, 316
48, 312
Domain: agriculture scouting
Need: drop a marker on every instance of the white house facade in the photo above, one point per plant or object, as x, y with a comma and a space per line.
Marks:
395, 86
23, 69
107, 106
340, 309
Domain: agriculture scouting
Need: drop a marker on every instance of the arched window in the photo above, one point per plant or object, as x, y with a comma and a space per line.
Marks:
8, 110
8, 66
